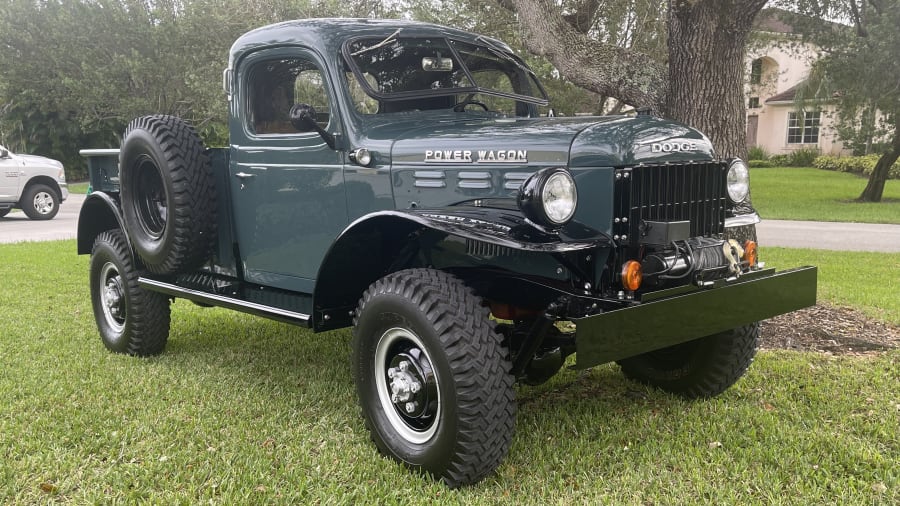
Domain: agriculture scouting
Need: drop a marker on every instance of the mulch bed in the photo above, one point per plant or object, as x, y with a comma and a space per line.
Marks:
828, 329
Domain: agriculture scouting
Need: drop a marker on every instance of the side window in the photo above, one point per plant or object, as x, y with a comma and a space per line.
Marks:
361, 100
275, 86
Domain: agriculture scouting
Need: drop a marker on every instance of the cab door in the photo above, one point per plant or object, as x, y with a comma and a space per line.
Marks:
287, 186
10, 174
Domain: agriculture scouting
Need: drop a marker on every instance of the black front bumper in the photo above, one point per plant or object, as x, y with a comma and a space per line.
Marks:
669, 321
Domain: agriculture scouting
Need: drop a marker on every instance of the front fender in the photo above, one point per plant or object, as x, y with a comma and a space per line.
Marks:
376, 245
100, 212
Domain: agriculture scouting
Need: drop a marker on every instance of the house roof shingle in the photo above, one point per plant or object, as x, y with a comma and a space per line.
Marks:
785, 96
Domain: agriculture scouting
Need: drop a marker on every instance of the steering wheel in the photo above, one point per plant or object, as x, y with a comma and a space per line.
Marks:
460, 107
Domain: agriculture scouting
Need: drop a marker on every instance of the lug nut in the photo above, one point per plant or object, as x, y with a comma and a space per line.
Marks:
415, 387
404, 366
392, 372
410, 407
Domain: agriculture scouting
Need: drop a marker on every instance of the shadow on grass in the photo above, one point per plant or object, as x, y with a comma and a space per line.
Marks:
293, 363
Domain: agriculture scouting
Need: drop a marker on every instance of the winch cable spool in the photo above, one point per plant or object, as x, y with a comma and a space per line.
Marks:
696, 259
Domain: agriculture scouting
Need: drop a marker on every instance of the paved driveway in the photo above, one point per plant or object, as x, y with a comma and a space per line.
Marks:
16, 227
828, 235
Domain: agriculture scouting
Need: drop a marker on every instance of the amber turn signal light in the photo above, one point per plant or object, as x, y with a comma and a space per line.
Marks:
750, 253
632, 275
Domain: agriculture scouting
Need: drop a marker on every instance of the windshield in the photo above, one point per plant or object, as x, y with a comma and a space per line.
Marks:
400, 74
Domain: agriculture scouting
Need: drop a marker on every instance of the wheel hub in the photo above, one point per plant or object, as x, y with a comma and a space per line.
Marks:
407, 385
112, 296
43, 202
151, 199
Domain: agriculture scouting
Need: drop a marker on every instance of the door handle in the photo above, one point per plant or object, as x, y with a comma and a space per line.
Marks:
244, 175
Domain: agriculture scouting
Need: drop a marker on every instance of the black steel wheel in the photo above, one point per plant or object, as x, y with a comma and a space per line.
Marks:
168, 194
130, 319
703, 367
40, 202
433, 377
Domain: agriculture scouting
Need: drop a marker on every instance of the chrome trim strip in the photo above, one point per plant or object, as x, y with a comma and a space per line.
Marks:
428, 174
98, 152
222, 301
475, 185
742, 220
474, 175
430, 183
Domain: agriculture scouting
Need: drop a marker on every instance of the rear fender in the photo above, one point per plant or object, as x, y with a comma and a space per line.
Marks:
386, 241
99, 213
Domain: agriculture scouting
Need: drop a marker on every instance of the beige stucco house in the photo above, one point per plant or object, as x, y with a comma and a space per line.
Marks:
777, 64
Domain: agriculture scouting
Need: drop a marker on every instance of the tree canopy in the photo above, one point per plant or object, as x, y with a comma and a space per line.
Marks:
76, 71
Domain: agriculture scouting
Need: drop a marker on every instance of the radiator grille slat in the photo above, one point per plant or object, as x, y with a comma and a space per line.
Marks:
693, 192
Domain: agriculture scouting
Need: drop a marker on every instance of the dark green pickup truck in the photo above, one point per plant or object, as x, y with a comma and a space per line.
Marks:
400, 178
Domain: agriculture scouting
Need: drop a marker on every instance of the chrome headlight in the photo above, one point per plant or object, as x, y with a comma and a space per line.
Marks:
549, 197
738, 180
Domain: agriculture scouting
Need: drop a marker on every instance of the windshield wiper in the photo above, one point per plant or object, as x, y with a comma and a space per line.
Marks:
390, 38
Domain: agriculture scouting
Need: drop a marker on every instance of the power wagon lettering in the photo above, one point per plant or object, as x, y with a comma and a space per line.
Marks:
465, 156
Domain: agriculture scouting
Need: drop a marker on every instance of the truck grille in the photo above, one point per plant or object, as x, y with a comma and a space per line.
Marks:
694, 192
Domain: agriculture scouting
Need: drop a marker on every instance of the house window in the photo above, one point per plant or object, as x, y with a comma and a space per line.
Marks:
803, 127
754, 103
756, 71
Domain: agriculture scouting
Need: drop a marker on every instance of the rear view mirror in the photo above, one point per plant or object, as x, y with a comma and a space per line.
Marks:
304, 117
437, 64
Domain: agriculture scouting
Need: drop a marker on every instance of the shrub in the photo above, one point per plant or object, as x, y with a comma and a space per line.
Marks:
760, 164
863, 165
780, 160
803, 157
757, 153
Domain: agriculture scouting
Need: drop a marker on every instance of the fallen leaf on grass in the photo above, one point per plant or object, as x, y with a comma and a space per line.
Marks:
879, 487
715, 444
48, 487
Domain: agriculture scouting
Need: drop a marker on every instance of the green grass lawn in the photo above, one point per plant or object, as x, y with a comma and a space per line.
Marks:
81, 187
866, 281
241, 410
812, 194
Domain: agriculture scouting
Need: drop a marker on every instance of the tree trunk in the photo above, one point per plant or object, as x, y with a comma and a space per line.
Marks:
875, 187
707, 46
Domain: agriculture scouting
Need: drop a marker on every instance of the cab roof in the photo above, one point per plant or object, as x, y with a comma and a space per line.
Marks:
327, 35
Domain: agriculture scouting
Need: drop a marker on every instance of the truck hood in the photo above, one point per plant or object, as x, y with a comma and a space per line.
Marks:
605, 141
39, 161
454, 159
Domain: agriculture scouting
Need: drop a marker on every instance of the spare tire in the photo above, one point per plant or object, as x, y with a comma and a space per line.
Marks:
168, 194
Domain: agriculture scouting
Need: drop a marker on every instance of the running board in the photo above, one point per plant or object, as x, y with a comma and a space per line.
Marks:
244, 306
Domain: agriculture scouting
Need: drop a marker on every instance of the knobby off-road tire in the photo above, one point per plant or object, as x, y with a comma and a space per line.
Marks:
458, 423
168, 194
130, 319
704, 367
40, 202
